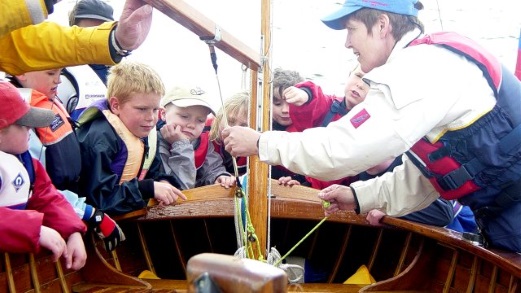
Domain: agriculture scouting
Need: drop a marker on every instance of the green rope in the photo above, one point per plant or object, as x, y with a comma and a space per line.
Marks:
249, 232
301, 240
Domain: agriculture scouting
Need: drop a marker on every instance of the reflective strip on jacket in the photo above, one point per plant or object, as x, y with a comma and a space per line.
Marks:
15, 14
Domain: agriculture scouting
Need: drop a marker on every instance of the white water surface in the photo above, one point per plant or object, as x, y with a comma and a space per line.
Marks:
300, 41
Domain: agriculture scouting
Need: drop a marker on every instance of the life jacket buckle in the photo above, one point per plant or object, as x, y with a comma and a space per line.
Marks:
455, 179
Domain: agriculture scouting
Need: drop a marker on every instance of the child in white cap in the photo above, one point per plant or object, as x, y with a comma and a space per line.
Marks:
184, 147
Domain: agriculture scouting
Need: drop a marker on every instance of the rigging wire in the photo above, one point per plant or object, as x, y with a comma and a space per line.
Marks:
244, 232
213, 57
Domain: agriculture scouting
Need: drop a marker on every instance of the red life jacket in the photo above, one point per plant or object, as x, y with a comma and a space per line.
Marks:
456, 171
202, 149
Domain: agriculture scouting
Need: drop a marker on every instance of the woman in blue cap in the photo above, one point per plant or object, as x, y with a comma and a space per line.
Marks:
460, 126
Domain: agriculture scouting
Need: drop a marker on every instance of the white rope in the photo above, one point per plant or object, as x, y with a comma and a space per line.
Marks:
295, 272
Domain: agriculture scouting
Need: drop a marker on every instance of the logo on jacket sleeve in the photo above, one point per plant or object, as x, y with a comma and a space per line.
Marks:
56, 123
360, 118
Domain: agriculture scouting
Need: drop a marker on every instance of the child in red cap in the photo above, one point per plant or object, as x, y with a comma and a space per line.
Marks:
57, 148
34, 213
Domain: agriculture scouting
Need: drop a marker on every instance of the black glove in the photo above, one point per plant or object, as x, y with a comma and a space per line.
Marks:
107, 229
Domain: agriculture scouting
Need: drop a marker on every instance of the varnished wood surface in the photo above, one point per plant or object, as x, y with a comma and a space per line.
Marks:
232, 274
213, 200
431, 259
508, 260
300, 202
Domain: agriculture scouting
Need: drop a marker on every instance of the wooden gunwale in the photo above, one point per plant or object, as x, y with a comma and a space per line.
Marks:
414, 275
301, 203
510, 261
214, 201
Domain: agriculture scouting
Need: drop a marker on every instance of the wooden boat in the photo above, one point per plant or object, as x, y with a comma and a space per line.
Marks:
174, 242
401, 256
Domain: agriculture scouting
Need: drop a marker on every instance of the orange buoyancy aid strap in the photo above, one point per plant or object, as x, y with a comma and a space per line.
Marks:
60, 126
135, 147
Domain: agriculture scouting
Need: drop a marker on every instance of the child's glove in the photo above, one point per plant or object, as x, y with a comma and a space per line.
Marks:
107, 230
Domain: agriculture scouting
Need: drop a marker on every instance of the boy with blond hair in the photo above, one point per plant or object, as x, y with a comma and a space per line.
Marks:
185, 149
121, 166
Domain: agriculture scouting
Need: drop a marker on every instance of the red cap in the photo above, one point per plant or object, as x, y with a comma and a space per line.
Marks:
14, 110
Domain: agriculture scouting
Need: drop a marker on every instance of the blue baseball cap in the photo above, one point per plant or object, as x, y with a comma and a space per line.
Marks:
335, 20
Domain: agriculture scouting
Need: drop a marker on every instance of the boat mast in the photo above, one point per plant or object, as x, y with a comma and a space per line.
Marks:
260, 120
260, 103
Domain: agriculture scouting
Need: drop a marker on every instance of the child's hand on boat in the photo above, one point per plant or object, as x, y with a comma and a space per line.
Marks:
166, 194
53, 241
374, 217
340, 197
225, 181
76, 256
241, 141
288, 181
